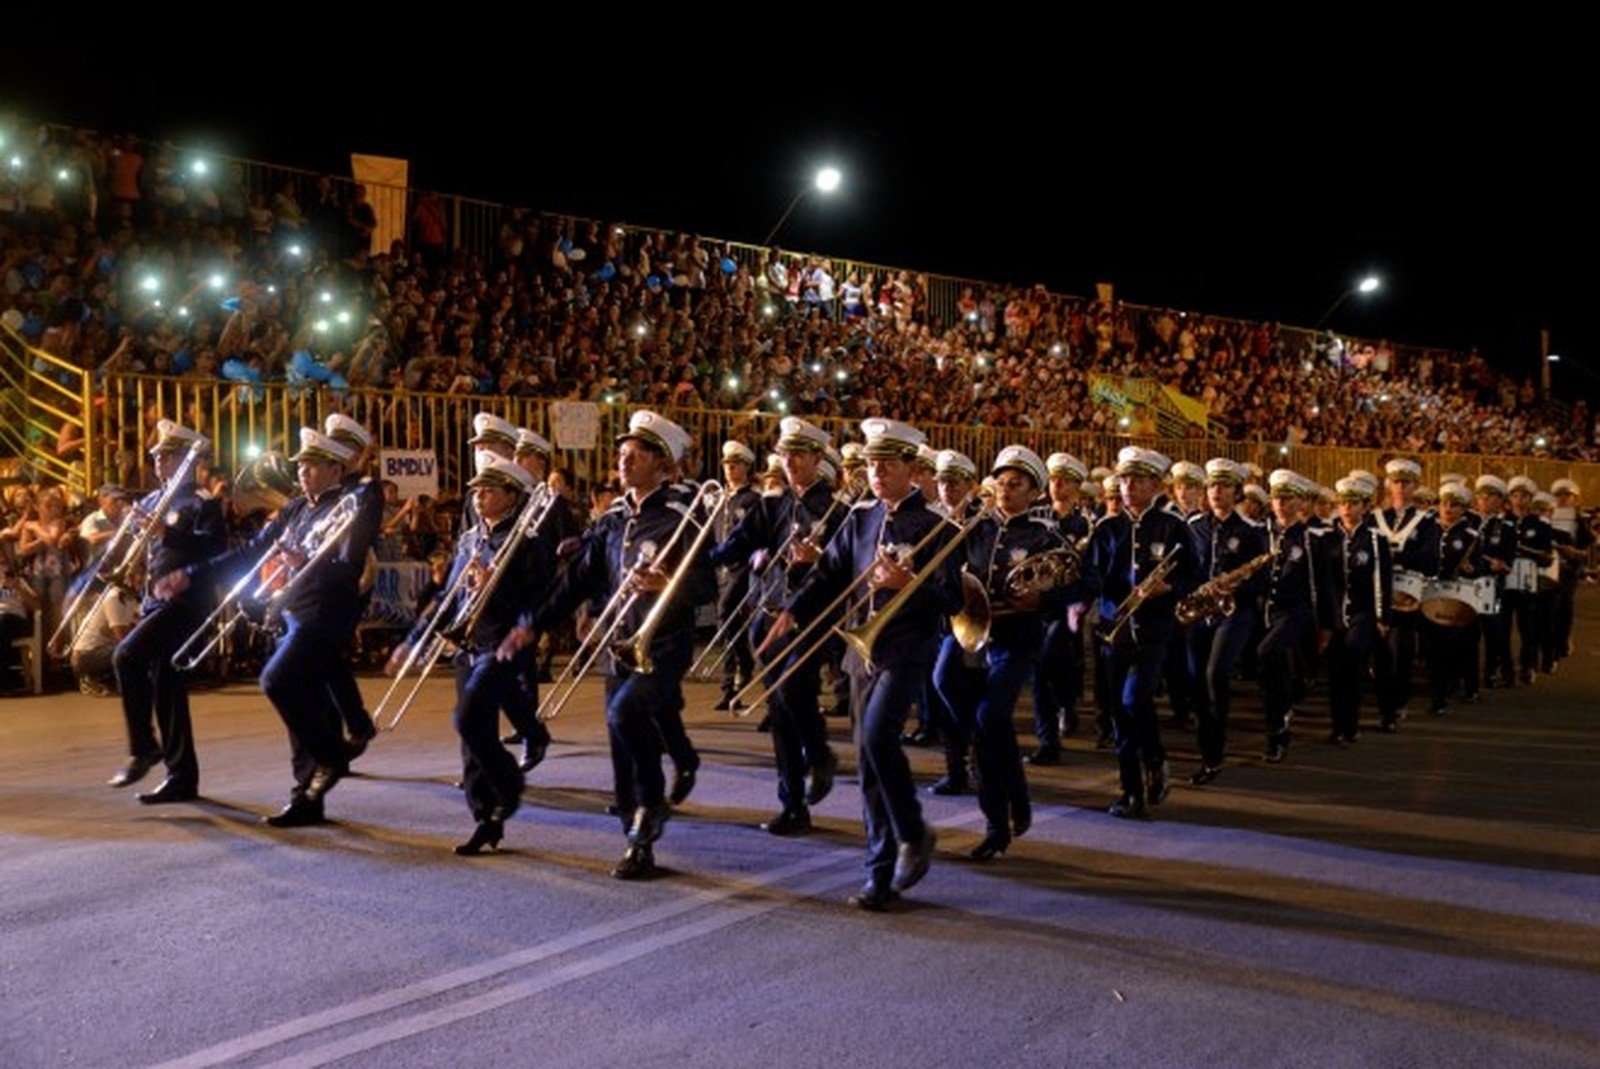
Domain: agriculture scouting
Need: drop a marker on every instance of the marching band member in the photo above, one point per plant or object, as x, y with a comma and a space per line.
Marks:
1535, 551
874, 540
733, 578
191, 530
853, 466
984, 697
1298, 601
1125, 548
1255, 503
1188, 501
1225, 541
1449, 550
1365, 579
1058, 679
797, 524
1406, 526
496, 655
1546, 587
320, 614
1573, 539
956, 480
622, 549
369, 492
1497, 552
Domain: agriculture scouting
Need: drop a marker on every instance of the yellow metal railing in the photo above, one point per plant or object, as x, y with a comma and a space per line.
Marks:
42, 404
243, 420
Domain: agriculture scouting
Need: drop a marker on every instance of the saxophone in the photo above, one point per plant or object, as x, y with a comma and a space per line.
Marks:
1214, 597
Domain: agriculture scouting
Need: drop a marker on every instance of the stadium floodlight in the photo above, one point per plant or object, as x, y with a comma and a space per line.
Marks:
343, 317
296, 249
826, 180
200, 167
217, 280
63, 175
1368, 285
325, 297
149, 283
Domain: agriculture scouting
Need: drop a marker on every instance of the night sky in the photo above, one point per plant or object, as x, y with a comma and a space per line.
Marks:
1254, 193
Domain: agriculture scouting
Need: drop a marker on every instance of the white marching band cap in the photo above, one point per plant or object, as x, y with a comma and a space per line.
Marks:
1021, 458
1491, 484
1111, 487
496, 470
1356, 487
175, 438
345, 429
1256, 492
1325, 493
488, 427
1089, 488
1066, 462
890, 438
1363, 473
831, 464
1564, 486
530, 442
1402, 469
1101, 473
795, 434
737, 451
1185, 471
1425, 495
1544, 502
1223, 470
950, 462
1456, 492
927, 456
1135, 460
1286, 483
1452, 477
658, 431
1523, 483
850, 454
314, 445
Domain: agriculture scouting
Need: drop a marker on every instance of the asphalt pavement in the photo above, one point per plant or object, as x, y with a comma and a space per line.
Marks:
1429, 898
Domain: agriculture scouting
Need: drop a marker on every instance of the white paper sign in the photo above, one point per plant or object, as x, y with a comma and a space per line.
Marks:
413, 471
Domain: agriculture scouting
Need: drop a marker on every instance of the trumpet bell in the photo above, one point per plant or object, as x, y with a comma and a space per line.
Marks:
971, 625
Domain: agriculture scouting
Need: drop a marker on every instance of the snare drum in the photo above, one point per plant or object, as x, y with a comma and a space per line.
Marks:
1408, 590
1458, 602
1524, 575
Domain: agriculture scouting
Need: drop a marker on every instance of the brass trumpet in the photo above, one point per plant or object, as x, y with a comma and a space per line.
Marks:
1214, 597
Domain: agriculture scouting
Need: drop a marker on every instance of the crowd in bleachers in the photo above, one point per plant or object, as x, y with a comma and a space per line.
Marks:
126, 257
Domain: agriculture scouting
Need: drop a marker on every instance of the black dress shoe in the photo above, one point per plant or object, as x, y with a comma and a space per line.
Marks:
723, 706
1157, 791
911, 861
323, 780
1021, 817
532, 754
1129, 808
132, 772
765, 727
994, 845
1206, 774
1276, 751
612, 810
948, 786
302, 812
822, 779
486, 835
648, 821
170, 790
683, 781
873, 897
1045, 756
789, 822
511, 739
638, 863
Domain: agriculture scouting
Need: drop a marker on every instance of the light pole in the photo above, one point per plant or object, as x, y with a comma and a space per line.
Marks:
826, 180
1370, 284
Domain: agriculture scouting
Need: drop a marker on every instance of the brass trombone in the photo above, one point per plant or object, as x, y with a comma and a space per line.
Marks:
727, 635
138, 529
860, 639
602, 635
1140, 594
273, 579
448, 623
